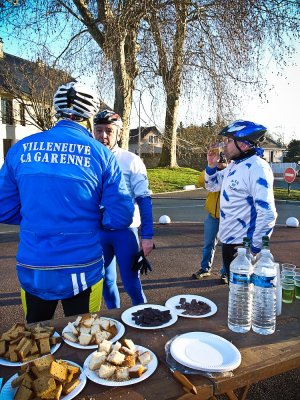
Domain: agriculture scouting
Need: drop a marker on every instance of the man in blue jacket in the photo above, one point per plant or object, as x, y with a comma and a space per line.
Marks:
63, 187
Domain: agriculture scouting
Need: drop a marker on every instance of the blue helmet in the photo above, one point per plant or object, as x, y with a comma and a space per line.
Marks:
245, 131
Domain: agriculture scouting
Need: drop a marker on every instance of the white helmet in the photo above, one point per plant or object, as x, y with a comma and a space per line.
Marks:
75, 98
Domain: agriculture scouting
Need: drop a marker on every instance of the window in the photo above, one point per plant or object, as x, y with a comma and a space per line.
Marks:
7, 143
153, 139
7, 111
22, 114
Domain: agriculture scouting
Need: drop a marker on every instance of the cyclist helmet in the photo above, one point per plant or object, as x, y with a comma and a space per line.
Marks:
245, 131
108, 117
75, 99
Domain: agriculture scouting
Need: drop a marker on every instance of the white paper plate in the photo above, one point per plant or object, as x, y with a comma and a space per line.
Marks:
120, 333
174, 301
8, 363
127, 316
8, 392
205, 352
93, 375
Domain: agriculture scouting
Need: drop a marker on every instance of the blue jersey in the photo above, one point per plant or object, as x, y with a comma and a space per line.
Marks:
62, 187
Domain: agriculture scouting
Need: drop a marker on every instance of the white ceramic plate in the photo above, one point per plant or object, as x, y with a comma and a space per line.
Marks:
174, 301
8, 363
8, 392
205, 352
120, 333
127, 316
93, 375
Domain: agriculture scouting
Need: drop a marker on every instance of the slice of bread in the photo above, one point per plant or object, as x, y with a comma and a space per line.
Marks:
3, 348
145, 358
44, 345
34, 348
23, 393
84, 329
127, 351
112, 329
58, 371
116, 346
43, 386
88, 322
116, 358
130, 361
122, 374
106, 346
71, 328
106, 371
136, 371
69, 336
97, 359
100, 336
12, 354
104, 323
44, 362
69, 387
77, 321
24, 349
85, 339
95, 329
129, 344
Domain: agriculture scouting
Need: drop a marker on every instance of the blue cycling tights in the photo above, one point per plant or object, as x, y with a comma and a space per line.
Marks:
121, 246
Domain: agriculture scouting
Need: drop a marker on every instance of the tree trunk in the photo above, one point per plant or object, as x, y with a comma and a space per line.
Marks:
123, 100
168, 155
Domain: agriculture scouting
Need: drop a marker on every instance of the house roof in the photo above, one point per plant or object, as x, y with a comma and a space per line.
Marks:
134, 133
270, 143
21, 69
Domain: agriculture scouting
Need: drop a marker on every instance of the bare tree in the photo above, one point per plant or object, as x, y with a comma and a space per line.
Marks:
113, 26
32, 84
216, 46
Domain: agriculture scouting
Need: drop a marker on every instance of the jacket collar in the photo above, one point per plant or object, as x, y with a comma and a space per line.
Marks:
74, 125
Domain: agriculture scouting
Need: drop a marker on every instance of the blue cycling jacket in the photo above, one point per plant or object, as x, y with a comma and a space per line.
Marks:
53, 184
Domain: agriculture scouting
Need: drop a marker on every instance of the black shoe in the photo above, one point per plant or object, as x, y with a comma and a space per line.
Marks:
201, 274
224, 279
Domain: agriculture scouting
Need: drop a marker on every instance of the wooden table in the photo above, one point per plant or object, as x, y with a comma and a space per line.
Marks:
262, 356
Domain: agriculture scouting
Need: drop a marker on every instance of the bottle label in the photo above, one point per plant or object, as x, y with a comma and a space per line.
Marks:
263, 281
239, 279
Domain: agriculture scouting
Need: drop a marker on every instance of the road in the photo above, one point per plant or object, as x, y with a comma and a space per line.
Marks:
192, 210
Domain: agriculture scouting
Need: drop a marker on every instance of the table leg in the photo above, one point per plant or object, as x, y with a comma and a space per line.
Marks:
232, 396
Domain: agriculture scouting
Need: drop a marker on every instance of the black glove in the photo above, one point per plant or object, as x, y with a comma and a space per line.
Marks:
141, 264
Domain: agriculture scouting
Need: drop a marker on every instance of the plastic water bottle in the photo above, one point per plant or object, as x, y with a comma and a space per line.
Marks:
240, 293
247, 245
265, 246
264, 295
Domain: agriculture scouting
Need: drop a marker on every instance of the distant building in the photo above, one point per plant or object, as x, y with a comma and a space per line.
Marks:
26, 93
274, 152
151, 140
14, 121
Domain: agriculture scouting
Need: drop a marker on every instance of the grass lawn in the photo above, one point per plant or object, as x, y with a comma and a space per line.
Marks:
172, 179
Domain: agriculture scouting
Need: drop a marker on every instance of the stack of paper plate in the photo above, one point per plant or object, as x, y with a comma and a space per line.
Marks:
205, 352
